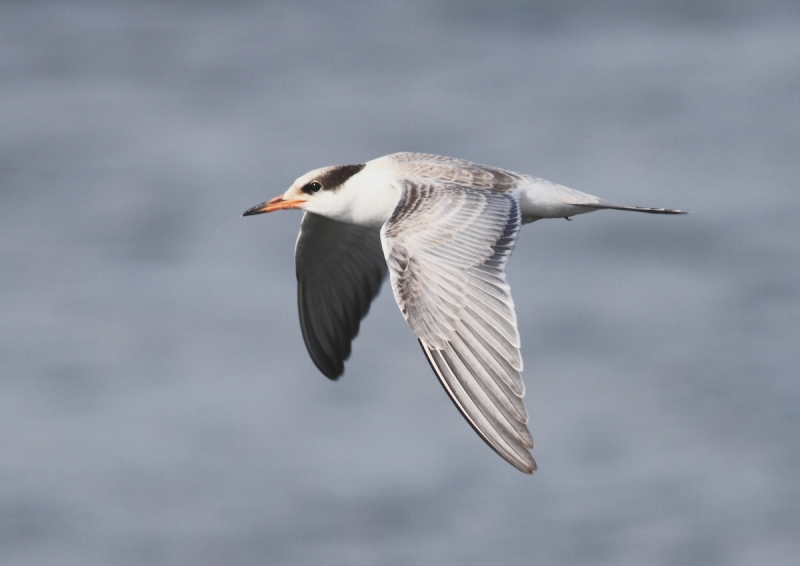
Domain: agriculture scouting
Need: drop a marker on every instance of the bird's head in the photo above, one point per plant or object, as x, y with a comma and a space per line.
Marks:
315, 191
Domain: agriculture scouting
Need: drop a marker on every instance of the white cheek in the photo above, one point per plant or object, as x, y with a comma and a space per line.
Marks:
326, 204
363, 204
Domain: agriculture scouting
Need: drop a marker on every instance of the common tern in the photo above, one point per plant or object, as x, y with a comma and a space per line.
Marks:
444, 229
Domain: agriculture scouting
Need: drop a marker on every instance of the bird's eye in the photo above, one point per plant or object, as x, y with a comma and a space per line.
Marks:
313, 187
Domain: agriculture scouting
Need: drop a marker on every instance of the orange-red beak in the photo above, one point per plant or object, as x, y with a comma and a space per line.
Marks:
272, 205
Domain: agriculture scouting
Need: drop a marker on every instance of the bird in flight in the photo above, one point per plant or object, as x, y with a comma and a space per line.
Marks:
444, 229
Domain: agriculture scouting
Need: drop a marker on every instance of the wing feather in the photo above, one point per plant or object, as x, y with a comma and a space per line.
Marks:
447, 268
487, 379
340, 268
481, 420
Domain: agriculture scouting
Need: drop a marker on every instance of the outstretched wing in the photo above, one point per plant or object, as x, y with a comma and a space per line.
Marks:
447, 246
340, 268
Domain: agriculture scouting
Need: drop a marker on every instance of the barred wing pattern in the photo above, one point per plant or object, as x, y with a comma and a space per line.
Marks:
447, 247
340, 268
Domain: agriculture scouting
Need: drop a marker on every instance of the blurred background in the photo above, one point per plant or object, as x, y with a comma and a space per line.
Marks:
157, 405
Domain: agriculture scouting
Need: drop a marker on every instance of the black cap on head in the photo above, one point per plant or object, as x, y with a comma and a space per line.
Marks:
336, 176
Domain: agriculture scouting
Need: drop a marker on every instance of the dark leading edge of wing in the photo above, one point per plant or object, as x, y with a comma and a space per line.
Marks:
340, 268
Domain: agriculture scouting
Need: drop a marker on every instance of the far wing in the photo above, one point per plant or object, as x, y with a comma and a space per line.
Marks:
447, 247
340, 268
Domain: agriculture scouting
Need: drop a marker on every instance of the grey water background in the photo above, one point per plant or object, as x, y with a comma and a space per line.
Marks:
157, 405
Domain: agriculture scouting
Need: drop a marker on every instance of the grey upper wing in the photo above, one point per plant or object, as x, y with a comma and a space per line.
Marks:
447, 247
340, 268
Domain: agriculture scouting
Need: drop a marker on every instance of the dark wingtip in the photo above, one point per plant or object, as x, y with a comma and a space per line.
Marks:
330, 373
327, 366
